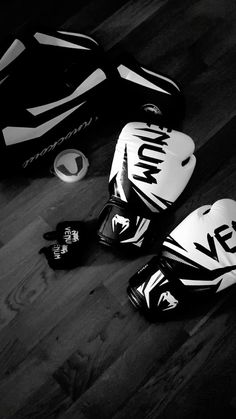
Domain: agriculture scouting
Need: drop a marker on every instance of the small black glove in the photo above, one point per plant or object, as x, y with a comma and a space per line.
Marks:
65, 253
67, 232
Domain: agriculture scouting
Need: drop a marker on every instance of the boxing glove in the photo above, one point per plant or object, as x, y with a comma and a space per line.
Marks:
151, 167
197, 260
66, 251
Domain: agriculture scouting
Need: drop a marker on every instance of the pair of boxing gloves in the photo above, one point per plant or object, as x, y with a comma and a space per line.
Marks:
150, 169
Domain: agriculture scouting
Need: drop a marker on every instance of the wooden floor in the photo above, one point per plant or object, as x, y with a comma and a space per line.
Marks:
71, 345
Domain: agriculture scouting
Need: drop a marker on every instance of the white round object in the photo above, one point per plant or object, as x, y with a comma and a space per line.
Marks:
71, 165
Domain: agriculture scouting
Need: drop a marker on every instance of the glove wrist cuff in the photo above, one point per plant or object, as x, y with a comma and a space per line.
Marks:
120, 225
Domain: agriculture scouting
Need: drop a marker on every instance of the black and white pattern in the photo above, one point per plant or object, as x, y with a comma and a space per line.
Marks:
49, 87
147, 176
202, 248
147, 166
198, 258
153, 95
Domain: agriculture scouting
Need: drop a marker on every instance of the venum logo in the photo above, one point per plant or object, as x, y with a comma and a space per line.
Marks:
59, 250
148, 160
119, 220
70, 236
222, 234
61, 140
169, 299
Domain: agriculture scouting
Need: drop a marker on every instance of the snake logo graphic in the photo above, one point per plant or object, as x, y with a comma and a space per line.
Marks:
170, 300
119, 220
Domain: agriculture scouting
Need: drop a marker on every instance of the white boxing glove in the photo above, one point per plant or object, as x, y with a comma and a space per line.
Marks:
151, 167
198, 257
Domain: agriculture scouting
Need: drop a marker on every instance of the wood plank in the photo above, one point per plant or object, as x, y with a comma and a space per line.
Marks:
83, 322
185, 56
91, 14
10, 188
20, 283
99, 351
186, 379
154, 42
123, 21
204, 114
46, 403
125, 375
53, 302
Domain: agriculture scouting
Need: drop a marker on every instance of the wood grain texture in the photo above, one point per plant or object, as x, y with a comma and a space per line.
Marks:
71, 345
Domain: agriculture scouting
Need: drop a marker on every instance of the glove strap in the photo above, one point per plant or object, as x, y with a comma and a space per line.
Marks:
119, 225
